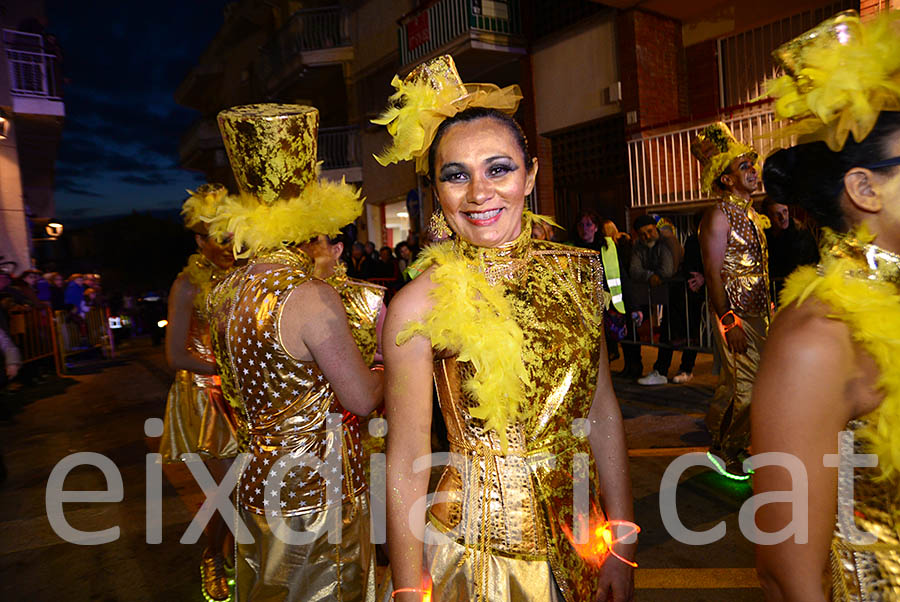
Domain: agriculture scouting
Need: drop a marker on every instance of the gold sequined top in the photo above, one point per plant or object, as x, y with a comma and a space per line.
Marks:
745, 271
870, 571
519, 503
362, 302
291, 410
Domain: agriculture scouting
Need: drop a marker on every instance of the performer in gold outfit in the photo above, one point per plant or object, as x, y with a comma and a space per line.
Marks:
291, 357
735, 263
510, 329
198, 420
829, 382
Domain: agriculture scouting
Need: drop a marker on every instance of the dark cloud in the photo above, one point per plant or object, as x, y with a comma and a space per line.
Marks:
149, 179
123, 64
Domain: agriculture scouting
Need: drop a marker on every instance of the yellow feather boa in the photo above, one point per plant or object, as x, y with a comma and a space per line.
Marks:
840, 76
870, 307
322, 208
472, 319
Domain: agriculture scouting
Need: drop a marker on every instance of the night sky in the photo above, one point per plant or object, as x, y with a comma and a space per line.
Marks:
123, 62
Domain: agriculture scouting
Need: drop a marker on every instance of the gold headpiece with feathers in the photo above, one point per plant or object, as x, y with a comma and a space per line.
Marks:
272, 149
838, 77
431, 93
201, 206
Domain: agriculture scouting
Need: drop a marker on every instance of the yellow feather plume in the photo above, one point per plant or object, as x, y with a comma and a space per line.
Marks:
417, 108
201, 205
322, 208
840, 76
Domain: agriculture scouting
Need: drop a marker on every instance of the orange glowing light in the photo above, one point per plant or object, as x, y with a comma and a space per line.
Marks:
601, 539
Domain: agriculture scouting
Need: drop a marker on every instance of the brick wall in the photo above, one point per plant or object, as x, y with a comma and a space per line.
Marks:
702, 78
652, 67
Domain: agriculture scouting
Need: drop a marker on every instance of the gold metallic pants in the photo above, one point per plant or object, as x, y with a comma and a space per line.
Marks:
453, 568
271, 570
728, 418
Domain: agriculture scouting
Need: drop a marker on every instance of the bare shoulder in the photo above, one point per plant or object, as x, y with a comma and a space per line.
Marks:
312, 296
182, 288
713, 218
808, 363
806, 332
413, 301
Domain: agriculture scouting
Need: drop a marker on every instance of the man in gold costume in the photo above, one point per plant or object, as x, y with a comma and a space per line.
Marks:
735, 260
284, 339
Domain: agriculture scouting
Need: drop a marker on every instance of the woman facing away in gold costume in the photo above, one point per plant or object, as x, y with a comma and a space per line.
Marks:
510, 330
829, 381
285, 344
198, 420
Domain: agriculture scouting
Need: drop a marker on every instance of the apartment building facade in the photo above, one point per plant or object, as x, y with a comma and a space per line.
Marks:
613, 91
31, 119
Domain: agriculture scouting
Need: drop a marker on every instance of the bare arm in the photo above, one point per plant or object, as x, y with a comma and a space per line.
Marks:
799, 406
314, 326
181, 306
409, 370
607, 439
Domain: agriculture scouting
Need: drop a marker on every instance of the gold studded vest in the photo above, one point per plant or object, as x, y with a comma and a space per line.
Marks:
745, 271
519, 503
286, 402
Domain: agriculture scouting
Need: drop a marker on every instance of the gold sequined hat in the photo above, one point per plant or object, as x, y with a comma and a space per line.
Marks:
838, 77
431, 93
272, 149
716, 147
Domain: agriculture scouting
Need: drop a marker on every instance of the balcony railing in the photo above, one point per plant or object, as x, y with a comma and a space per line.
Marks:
339, 148
662, 171
443, 21
307, 30
33, 72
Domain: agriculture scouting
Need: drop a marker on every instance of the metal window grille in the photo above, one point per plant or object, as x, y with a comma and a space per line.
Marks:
745, 59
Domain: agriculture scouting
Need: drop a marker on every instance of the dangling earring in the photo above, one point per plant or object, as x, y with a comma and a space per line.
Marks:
438, 227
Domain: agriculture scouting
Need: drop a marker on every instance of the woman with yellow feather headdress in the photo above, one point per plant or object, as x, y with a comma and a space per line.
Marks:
283, 340
510, 330
828, 388
197, 419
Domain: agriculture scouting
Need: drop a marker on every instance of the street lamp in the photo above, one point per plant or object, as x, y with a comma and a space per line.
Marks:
53, 229
4, 125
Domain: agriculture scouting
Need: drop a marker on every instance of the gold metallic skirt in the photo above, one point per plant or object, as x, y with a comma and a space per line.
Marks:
197, 420
454, 567
271, 570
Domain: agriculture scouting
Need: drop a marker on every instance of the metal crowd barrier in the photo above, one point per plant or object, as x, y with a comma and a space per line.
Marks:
674, 293
75, 336
33, 333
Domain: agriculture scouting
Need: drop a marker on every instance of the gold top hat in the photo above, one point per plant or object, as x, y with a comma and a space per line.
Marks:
716, 147
431, 93
272, 149
201, 206
838, 78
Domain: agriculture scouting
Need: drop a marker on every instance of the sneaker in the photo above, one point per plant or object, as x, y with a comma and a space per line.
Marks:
732, 469
683, 377
214, 582
654, 378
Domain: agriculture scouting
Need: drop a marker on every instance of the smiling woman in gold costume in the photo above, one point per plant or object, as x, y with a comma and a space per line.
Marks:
510, 329
829, 382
